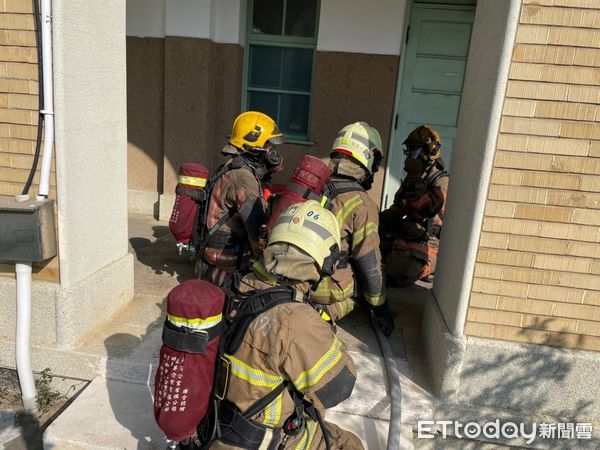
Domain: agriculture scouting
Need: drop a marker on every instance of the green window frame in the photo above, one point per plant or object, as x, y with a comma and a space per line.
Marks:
279, 66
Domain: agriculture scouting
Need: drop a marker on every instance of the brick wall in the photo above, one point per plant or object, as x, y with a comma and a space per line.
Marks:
537, 277
19, 111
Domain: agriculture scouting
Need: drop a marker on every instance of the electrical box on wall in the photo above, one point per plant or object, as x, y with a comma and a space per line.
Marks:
27, 230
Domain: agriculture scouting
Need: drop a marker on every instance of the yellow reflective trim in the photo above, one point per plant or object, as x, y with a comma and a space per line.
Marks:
347, 208
253, 376
324, 364
323, 289
192, 181
362, 233
262, 273
273, 411
324, 200
375, 300
197, 323
308, 436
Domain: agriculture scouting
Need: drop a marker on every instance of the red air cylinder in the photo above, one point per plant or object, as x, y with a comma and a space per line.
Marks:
186, 368
189, 193
307, 182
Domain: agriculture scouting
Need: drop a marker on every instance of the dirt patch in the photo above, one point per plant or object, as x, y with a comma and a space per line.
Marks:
53, 396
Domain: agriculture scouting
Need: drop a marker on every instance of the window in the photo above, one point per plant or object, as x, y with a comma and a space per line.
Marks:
280, 54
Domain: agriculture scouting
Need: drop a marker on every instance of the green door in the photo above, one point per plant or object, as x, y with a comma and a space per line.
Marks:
431, 84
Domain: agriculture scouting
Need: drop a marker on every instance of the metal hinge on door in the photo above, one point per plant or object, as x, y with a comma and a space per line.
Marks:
407, 34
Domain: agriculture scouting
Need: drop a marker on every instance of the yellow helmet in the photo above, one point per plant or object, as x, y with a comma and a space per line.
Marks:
362, 142
424, 138
313, 229
253, 131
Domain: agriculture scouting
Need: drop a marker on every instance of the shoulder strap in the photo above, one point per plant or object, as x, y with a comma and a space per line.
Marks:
432, 178
333, 188
249, 309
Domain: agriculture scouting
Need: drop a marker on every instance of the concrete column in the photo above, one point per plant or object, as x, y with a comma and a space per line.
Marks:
96, 272
474, 148
475, 145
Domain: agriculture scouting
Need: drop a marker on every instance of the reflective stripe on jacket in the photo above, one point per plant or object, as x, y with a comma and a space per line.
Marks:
358, 217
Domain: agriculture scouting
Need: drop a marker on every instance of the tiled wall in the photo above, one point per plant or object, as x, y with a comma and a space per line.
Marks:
537, 277
19, 111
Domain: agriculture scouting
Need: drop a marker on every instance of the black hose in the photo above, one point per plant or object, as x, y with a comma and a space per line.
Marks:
395, 390
38, 43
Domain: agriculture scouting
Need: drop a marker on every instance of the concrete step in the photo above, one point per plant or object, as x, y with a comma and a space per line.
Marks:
116, 415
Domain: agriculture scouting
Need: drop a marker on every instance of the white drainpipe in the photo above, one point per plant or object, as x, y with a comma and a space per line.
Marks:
23, 340
23, 269
48, 111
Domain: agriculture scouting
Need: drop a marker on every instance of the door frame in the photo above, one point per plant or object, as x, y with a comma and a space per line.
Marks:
388, 197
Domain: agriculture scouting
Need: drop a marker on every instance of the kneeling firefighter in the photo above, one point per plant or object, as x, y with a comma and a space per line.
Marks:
410, 229
289, 366
355, 158
229, 224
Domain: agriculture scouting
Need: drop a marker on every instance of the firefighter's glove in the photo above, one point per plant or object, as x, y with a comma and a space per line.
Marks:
414, 169
383, 318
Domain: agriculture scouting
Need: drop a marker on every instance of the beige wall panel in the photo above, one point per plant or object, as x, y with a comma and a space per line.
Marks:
518, 194
572, 3
556, 294
587, 57
554, 74
17, 146
497, 287
534, 244
16, 6
18, 70
549, 323
592, 298
484, 301
18, 86
494, 317
584, 249
544, 213
494, 240
580, 130
537, 90
18, 116
544, 54
588, 328
532, 34
500, 209
18, 54
17, 37
564, 17
568, 111
17, 21
19, 101
518, 107
145, 112
584, 94
525, 305
574, 37
562, 263
541, 127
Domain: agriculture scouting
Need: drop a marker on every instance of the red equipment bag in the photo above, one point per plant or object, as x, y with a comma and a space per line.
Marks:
185, 373
307, 182
189, 194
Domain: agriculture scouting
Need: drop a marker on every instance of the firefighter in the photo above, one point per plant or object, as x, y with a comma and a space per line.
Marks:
289, 366
410, 228
236, 207
355, 158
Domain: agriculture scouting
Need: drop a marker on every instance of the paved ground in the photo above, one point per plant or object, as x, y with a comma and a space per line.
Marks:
115, 410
